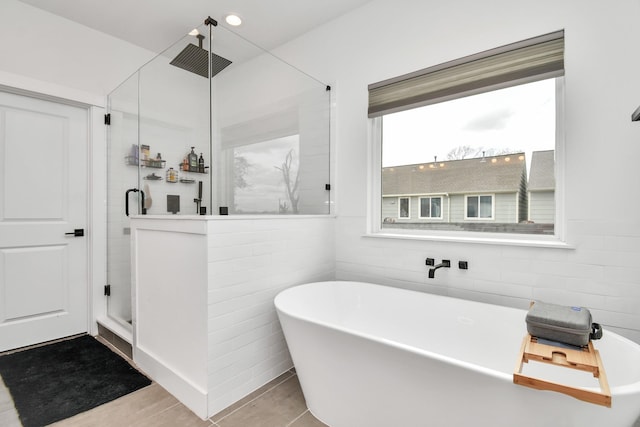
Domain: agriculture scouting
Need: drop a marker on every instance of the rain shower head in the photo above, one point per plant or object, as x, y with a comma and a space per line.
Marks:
194, 59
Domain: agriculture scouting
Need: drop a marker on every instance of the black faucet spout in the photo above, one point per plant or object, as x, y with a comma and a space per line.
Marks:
432, 271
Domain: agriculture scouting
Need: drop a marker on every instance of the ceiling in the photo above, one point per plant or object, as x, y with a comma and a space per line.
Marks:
156, 24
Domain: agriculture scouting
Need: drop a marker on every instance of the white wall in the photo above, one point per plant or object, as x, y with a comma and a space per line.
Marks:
386, 38
53, 55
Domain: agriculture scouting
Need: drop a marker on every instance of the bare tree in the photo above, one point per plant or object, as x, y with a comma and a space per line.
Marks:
468, 152
290, 182
464, 152
241, 165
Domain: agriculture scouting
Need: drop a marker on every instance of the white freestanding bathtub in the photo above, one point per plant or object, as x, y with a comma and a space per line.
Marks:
369, 355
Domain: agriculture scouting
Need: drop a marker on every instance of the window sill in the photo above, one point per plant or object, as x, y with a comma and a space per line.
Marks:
472, 238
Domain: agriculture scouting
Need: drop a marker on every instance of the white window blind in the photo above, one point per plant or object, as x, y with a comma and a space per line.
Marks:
526, 61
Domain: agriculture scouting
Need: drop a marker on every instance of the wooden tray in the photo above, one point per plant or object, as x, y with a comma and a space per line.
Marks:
586, 359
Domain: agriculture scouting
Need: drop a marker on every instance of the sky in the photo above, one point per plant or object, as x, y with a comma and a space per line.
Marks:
520, 118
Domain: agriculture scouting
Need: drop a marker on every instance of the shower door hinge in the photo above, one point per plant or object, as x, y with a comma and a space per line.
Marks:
107, 119
107, 290
327, 187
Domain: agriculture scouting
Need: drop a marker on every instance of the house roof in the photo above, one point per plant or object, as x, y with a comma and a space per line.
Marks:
492, 174
541, 176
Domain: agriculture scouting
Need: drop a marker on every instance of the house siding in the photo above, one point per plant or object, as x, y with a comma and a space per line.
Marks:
507, 209
389, 209
542, 207
523, 208
504, 206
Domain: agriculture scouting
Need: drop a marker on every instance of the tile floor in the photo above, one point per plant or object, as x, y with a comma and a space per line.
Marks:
279, 403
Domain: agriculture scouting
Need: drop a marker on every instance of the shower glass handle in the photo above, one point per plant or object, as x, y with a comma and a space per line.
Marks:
126, 201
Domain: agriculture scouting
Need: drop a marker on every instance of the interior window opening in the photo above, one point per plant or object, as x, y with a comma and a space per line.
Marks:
487, 149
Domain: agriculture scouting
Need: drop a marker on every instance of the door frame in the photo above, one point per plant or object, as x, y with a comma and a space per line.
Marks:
96, 187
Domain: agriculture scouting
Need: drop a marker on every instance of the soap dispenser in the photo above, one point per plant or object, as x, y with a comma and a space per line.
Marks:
193, 161
201, 164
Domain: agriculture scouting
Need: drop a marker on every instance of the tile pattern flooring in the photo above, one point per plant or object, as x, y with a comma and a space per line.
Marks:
279, 403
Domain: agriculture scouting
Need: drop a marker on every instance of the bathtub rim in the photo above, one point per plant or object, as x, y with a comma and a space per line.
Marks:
620, 390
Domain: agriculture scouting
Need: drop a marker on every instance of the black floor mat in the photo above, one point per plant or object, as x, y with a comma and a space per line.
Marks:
59, 380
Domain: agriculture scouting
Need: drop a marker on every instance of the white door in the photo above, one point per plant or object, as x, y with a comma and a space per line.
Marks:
43, 196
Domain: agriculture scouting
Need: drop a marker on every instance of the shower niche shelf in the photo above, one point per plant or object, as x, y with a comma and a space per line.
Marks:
206, 171
145, 163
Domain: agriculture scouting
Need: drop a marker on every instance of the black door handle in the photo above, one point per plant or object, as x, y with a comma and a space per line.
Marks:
126, 201
78, 232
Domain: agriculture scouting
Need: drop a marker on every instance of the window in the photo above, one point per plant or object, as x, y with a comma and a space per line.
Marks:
265, 177
481, 131
479, 207
431, 207
404, 207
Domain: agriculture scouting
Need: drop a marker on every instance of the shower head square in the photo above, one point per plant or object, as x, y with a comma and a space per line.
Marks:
194, 59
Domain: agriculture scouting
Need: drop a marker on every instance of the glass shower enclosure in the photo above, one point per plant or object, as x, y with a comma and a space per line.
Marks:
214, 125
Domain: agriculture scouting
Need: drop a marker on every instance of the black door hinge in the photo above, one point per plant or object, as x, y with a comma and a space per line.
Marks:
327, 187
107, 119
107, 290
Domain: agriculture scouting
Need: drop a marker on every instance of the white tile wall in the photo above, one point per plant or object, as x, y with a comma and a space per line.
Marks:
250, 261
601, 149
504, 275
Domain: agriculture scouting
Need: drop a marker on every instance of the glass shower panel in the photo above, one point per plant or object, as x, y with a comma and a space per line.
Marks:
174, 126
270, 133
253, 139
122, 175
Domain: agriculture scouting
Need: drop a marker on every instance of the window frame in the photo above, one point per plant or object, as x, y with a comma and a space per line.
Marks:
400, 207
557, 240
479, 218
420, 198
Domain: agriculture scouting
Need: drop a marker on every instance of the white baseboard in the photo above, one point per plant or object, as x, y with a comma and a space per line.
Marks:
185, 391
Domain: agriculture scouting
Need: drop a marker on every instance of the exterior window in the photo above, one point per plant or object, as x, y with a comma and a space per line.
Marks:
431, 207
479, 207
481, 132
404, 207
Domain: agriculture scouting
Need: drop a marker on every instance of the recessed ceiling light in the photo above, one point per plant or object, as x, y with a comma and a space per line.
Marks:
233, 20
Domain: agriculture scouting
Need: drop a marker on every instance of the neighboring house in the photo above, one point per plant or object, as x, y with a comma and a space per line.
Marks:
542, 186
481, 190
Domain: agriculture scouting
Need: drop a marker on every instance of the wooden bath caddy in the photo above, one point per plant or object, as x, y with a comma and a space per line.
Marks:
586, 359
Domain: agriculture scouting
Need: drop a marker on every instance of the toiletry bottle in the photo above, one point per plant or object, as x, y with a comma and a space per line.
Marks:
193, 161
201, 164
185, 164
172, 175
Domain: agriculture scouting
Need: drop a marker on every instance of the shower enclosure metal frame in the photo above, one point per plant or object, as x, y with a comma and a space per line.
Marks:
257, 105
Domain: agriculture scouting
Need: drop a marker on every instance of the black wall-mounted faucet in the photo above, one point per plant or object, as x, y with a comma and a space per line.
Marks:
431, 262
